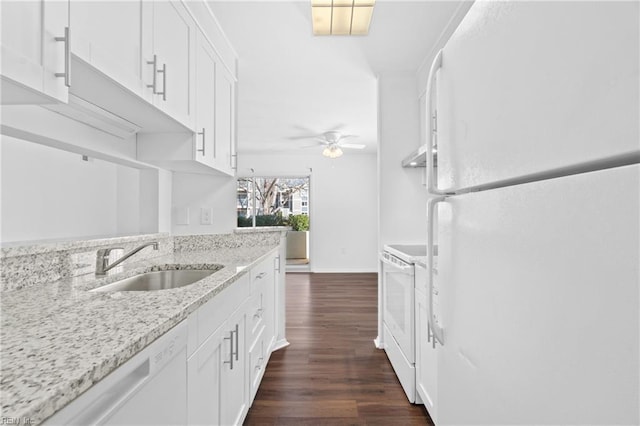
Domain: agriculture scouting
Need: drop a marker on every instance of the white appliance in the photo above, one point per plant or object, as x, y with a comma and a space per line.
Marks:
536, 215
398, 271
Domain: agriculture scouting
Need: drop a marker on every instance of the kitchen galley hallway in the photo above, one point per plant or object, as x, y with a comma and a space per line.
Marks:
332, 374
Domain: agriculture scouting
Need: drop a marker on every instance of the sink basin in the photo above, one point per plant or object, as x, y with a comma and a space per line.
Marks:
158, 280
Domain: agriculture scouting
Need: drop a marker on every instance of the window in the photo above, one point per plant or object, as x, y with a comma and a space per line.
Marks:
269, 201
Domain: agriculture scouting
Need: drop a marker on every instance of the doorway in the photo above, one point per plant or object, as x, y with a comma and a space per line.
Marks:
279, 201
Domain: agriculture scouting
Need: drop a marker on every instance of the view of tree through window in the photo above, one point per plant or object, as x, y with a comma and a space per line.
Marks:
271, 200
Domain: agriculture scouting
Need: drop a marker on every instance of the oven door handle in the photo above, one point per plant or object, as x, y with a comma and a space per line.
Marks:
402, 267
437, 332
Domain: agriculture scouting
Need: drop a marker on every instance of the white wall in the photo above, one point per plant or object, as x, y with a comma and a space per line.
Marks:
343, 204
193, 192
403, 198
49, 194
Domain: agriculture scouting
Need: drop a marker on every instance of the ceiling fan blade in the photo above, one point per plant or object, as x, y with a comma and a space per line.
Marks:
352, 145
296, 138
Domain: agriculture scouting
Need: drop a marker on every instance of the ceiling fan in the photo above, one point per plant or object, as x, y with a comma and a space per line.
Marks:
333, 142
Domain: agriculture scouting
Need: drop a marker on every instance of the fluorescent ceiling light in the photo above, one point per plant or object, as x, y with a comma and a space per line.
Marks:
341, 17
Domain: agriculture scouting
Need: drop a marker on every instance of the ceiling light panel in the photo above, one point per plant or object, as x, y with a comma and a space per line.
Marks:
361, 20
321, 16
341, 17
341, 20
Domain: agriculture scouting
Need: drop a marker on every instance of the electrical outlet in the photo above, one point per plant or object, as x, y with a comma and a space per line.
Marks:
206, 216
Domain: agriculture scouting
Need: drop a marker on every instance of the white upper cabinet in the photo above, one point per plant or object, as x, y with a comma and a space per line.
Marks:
205, 150
107, 35
168, 57
35, 52
225, 119
210, 148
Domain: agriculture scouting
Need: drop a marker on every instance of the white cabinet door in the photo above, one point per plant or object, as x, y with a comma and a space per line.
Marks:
173, 45
235, 397
107, 34
204, 377
225, 116
205, 149
31, 55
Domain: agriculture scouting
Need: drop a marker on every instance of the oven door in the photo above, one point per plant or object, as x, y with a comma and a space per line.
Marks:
398, 307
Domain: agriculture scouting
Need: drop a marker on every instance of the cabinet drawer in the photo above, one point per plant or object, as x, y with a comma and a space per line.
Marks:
262, 274
256, 315
216, 311
257, 364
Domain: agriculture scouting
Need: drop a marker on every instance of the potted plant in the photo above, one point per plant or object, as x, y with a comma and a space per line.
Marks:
298, 238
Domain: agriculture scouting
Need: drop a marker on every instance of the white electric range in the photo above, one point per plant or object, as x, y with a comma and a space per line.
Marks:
398, 334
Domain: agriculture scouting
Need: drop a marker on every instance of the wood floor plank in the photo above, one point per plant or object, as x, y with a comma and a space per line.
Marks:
331, 374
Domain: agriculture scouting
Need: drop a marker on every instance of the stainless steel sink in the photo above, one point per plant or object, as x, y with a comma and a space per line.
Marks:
158, 280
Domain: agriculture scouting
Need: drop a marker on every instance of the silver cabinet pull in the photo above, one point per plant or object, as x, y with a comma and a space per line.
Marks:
153, 85
237, 339
230, 362
203, 141
67, 56
164, 82
437, 332
234, 161
276, 263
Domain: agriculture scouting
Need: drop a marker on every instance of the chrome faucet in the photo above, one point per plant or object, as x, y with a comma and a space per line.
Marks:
102, 258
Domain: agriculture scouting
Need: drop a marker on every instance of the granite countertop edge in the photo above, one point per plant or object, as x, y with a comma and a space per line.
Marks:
45, 402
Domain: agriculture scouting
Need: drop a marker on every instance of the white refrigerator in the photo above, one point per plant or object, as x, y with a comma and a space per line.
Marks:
535, 221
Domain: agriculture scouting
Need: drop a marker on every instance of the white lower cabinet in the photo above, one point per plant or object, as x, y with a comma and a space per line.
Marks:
206, 370
234, 335
217, 392
149, 389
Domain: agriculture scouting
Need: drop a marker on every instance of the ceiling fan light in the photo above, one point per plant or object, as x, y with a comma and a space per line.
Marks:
332, 151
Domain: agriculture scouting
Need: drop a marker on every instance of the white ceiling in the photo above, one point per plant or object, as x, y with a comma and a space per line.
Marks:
292, 84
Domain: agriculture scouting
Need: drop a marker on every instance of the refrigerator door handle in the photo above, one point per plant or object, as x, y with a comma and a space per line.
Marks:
431, 129
437, 332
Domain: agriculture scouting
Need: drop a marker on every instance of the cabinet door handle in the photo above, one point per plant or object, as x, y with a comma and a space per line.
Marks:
230, 338
234, 161
153, 86
164, 82
237, 339
67, 56
203, 141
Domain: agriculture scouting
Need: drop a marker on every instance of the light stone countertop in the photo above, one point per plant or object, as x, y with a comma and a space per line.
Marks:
59, 339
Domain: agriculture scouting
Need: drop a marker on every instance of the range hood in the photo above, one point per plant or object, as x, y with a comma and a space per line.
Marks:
417, 158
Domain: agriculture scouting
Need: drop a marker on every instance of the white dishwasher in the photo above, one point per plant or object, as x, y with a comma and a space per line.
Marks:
398, 310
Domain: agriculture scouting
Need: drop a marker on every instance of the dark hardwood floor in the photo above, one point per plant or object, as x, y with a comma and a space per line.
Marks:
332, 374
